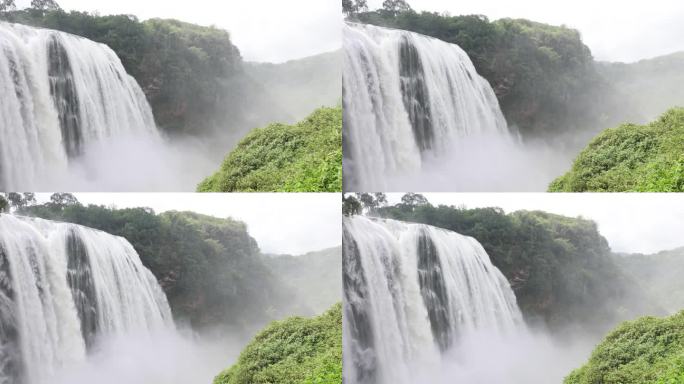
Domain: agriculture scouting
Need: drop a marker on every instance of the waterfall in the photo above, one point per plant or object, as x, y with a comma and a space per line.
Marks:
408, 99
411, 292
63, 286
59, 93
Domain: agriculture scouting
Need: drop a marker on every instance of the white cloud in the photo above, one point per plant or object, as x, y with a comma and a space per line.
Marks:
614, 30
645, 223
263, 30
289, 223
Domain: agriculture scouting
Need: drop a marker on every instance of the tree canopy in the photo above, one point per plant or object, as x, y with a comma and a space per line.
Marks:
7, 5
45, 5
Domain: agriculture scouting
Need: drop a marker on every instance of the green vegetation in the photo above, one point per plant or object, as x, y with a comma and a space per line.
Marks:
646, 351
207, 266
648, 158
293, 351
315, 276
306, 156
561, 268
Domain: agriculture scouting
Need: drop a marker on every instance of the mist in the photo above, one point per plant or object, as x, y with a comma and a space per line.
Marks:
159, 357
524, 358
140, 163
488, 163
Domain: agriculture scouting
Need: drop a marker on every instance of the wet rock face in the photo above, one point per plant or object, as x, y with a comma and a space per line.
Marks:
65, 97
433, 290
414, 94
80, 280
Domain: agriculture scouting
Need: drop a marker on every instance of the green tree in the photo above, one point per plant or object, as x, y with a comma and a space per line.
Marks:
395, 7
30, 198
17, 200
45, 5
414, 199
7, 5
351, 7
351, 206
62, 200
372, 201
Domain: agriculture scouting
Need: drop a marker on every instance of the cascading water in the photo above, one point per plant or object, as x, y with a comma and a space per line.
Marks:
60, 93
412, 292
408, 100
64, 286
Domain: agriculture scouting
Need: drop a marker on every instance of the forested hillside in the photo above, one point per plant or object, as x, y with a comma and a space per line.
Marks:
207, 266
305, 157
315, 276
638, 158
560, 268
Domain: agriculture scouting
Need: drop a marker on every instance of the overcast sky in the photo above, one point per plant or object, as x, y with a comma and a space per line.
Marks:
614, 30
284, 223
645, 223
264, 30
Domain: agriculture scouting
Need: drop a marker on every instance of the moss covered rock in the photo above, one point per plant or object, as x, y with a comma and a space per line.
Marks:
636, 158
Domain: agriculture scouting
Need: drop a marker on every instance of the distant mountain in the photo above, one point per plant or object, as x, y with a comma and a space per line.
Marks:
316, 277
652, 86
300, 86
661, 273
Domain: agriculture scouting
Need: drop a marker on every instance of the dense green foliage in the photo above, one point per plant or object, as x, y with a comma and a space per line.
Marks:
293, 351
192, 75
207, 266
648, 158
646, 351
544, 76
660, 273
560, 268
314, 276
306, 156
